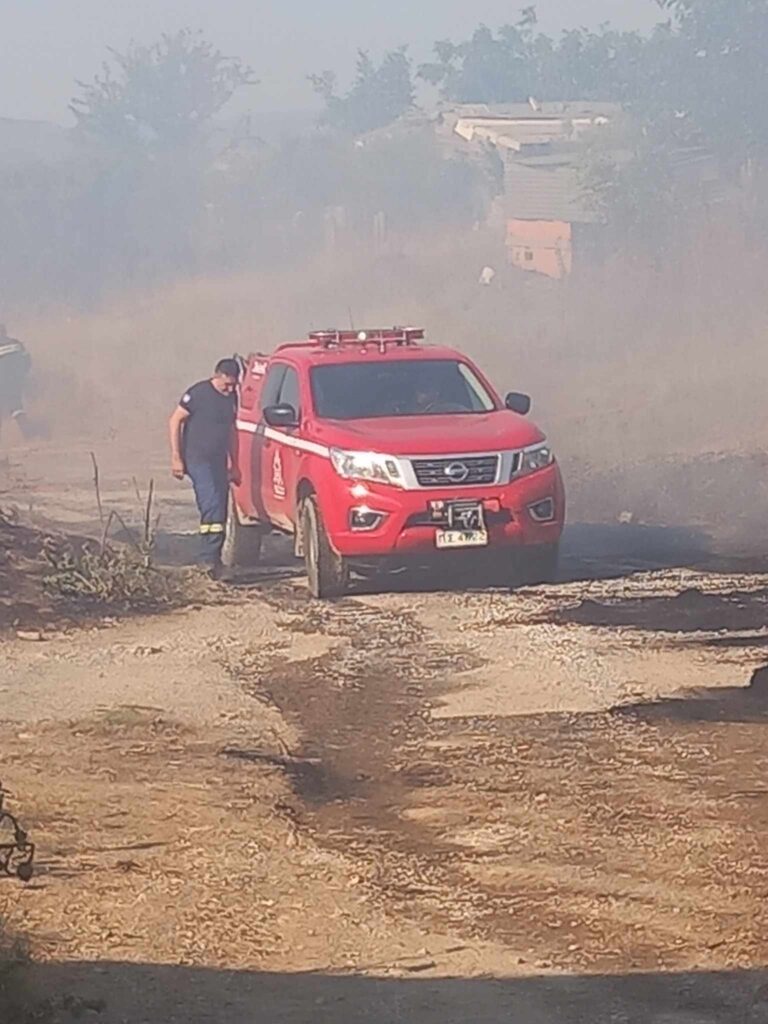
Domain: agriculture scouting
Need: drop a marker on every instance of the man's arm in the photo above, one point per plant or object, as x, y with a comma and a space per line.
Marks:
176, 429
235, 476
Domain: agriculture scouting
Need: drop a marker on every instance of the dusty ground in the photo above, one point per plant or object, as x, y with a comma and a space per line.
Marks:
546, 806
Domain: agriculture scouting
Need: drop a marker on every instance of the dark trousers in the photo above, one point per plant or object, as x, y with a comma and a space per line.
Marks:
211, 483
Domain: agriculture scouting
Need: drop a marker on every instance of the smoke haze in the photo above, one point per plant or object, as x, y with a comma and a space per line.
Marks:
47, 45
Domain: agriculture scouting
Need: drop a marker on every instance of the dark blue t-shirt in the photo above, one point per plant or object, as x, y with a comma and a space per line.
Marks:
208, 430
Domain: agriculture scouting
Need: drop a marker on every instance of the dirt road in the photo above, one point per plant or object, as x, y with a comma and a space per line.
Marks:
546, 806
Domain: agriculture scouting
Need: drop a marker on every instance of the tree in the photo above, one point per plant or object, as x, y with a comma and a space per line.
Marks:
377, 97
721, 75
628, 180
518, 62
705, 72
159, 95
147, 123
486, 68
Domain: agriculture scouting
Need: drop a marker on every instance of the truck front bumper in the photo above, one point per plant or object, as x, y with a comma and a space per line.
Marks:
371, 520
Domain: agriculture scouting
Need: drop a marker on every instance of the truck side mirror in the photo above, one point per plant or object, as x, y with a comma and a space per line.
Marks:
518, 403
284, 416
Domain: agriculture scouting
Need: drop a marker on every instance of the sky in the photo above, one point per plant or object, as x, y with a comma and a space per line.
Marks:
46, 45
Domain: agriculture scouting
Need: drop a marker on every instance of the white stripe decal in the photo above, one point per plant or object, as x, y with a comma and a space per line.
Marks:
297, 442
286, 439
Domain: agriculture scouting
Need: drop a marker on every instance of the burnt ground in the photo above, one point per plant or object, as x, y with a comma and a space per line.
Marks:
23, 602
545, 805
590, 840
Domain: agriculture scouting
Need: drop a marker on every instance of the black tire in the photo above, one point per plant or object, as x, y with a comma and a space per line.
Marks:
327, 572
242, 544
539, 565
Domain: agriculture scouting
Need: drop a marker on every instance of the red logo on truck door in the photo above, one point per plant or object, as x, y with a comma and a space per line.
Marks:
278, 481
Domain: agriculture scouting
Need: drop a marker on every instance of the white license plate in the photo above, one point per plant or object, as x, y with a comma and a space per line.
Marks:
461, 538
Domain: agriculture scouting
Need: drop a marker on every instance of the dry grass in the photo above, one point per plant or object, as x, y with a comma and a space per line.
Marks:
44, 577
185, 825
111, 578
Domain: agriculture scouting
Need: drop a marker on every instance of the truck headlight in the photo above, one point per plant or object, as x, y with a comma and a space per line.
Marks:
366, 466
532, 459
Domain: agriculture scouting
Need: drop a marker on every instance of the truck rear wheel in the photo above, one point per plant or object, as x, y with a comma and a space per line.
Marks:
327, 572
242, 544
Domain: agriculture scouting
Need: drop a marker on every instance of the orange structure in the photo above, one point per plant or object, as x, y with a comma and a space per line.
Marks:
542, 246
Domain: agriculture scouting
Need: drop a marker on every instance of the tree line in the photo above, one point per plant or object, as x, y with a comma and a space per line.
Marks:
158, 183
703, 71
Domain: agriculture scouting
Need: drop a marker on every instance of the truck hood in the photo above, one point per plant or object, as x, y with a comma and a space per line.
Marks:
431, 435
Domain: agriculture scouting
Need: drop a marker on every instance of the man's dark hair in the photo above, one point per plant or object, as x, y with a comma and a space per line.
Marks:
227, 368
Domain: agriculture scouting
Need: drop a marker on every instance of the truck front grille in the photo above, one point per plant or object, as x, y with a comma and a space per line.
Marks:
465, 471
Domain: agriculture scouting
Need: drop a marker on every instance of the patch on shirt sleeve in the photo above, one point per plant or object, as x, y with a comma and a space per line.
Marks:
186, 399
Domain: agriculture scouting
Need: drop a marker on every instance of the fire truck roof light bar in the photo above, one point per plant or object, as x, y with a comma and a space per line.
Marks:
376, 336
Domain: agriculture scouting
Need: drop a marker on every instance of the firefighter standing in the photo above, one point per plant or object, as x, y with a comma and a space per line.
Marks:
15, 365
204, 448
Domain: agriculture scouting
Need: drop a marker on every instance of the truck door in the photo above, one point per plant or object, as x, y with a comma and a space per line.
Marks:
248, 490
285, 457
264, 447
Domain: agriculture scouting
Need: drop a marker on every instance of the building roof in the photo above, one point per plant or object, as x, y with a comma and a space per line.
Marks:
533, 109
536, 128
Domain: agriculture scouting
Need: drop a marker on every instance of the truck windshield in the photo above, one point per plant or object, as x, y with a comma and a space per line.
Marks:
402, 387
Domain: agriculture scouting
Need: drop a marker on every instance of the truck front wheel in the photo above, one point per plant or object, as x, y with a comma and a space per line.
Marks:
327, 572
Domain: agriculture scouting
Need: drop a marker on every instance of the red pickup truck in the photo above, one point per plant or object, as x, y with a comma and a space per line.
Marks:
377, 451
